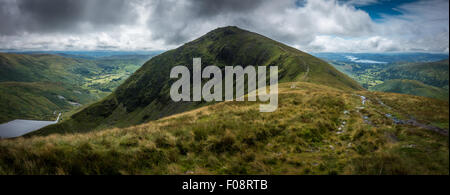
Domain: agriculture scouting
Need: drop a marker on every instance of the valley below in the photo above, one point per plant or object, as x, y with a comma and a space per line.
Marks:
415, 74
34, 85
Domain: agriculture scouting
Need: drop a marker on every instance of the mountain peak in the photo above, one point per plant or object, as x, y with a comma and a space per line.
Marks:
144, 96
222, 32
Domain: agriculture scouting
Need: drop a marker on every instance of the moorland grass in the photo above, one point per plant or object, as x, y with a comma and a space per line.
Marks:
301, 137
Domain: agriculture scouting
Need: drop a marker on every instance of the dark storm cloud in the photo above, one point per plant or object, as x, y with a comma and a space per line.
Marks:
208, 8
62, 15
8, 24
48, 15
186, 17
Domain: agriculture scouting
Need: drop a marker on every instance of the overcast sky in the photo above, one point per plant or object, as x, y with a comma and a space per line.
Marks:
309, 25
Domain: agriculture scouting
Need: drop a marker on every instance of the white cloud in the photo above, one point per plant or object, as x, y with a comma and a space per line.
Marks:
423, 26
355, 59
339, 44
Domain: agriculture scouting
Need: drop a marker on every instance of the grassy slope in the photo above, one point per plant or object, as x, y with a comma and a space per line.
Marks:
43, 67
413, 88
30, 84
145, 95
301, 137
35, 100
431, 73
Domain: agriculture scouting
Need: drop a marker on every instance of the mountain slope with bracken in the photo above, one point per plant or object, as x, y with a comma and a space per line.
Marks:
145, 95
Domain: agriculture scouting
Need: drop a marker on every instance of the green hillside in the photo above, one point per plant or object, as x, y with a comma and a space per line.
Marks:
36, 100
145, 95
35, 86
430, 73
316, 130
413, 88
427, 79
44, 67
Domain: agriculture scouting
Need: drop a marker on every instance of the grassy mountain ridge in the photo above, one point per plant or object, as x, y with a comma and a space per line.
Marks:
316, 130
412, 87
144, 96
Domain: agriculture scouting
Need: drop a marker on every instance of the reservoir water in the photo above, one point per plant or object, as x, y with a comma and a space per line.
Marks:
20, 127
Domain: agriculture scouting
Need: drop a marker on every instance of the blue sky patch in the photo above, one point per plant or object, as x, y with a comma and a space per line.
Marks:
383, 7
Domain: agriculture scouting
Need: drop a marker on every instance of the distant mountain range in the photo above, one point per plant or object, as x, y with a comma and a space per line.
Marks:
411, 73
367, 58
90, 54
422, 79
412, 87
430, 73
